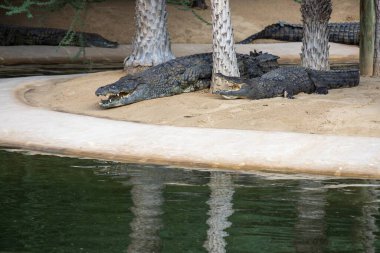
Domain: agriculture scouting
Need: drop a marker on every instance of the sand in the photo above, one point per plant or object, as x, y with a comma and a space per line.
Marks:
354, 111
351, 111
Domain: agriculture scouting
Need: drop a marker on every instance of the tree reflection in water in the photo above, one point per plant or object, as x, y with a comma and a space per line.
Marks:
220, 203
53, 204
147, 199
370, 209
310, 227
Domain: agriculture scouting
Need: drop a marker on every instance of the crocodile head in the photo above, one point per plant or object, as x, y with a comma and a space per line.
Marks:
238, 87
95, 40
123, 92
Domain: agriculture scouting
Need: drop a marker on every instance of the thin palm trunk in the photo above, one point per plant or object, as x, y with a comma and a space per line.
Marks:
151, 44
376, 60
224, 55
367, 37
315, 49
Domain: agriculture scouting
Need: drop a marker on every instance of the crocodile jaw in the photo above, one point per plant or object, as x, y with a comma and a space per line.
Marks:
233, 94
120, 93
114, 100
235, 85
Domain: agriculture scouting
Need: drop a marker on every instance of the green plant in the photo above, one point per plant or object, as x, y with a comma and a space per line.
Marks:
26, 6
79, 6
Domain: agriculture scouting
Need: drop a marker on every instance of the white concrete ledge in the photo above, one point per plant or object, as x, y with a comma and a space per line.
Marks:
43, 130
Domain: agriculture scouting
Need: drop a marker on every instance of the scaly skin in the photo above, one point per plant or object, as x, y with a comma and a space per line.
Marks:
11, 35
184, 74
344, 33
289, 81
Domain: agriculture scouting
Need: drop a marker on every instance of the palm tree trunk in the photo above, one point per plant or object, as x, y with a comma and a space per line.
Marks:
376, 60
367, 37
315, 49
224, 55
151, 44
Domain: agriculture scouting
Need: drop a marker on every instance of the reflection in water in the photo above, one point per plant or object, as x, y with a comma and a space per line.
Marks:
368, 226
147, 202
310, 227
52, 204
220, 204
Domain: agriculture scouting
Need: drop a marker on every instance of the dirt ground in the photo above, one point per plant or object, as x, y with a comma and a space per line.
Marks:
114, 19
351, 111
354, 111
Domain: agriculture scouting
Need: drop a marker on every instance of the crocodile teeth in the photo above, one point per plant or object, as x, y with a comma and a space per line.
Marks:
230, 97
109, 98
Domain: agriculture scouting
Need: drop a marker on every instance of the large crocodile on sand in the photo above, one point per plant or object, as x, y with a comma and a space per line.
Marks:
11, 35
345, 33
289, 81
183, 74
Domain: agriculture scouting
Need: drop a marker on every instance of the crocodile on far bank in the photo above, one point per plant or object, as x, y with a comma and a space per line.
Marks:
183, 74
289, 81
12, 35
344, 33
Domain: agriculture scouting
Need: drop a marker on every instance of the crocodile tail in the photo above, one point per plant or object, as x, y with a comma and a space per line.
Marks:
334, 79
345, 33
277, 31
253, 37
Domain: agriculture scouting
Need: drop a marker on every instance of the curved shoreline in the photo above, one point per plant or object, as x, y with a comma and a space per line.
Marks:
68, 134
344, 112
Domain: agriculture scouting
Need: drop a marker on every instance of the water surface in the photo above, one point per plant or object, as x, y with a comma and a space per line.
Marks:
55, 204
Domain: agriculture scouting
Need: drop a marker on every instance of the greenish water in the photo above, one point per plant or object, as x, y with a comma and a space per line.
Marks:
54, 204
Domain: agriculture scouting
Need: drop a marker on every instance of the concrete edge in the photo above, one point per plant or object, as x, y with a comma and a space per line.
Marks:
40, 129
16, 55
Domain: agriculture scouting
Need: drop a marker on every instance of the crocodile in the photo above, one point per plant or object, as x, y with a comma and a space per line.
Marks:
12, 35
344, 33
289, 81
183, 74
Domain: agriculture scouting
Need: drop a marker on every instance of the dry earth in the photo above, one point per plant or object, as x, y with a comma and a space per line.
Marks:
354, 111
114, 19
351, 111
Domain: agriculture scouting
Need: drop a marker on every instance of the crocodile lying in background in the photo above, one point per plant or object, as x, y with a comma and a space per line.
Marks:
345, 33
289, 81
11, 35
183, 74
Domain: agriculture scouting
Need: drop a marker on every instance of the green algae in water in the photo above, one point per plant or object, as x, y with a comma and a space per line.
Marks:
55, 204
